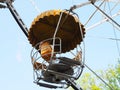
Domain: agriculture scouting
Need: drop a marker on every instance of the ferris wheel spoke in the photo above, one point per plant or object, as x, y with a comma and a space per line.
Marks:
105, 14
103, 21
105, 8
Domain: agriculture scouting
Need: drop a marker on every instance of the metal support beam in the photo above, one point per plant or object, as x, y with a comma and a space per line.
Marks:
106, 15
104, 20
16, 16
80, 5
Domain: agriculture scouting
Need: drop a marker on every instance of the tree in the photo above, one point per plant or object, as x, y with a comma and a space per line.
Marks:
111, 76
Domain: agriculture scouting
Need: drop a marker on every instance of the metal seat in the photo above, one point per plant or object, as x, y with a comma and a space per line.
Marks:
57, 72
68, 61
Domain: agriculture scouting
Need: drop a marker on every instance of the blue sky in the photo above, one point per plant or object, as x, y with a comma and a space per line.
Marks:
15, 63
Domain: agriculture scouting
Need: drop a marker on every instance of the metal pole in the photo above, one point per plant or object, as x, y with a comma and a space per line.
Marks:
81, 5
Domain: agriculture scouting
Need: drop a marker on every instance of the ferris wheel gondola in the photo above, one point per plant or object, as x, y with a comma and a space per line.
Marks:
58, 69
52, 34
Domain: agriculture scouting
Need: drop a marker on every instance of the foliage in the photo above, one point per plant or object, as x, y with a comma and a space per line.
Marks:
111, 76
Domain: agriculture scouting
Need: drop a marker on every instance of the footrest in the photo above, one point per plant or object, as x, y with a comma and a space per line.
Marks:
47, 85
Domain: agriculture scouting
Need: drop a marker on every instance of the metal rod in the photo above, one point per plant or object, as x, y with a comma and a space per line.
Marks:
102, 21
80, 5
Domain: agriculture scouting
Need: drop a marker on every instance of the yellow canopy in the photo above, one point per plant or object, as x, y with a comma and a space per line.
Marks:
44, 26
